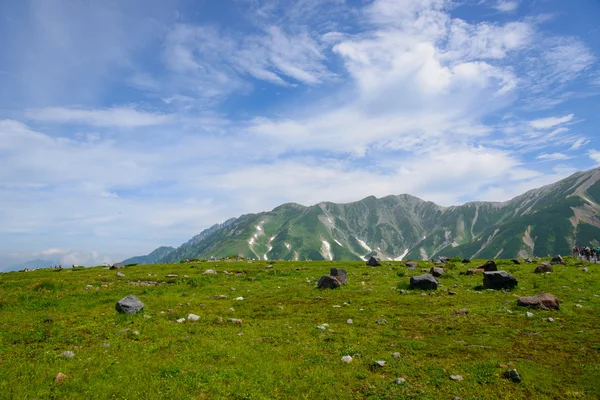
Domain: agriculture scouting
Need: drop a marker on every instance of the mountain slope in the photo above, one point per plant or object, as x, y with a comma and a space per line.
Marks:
542, 221
151, 258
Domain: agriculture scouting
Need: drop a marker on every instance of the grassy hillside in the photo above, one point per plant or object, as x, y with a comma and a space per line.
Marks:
278, 352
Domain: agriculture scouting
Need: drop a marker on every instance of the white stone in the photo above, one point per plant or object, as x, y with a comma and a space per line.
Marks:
193, 317
550, 319
239, 298
210, 272
347, 359
529, 315
321, 327
400, 381
181, 320
67, 354
349, 321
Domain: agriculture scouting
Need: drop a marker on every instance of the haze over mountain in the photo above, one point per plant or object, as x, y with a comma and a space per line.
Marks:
541, 222
127, 125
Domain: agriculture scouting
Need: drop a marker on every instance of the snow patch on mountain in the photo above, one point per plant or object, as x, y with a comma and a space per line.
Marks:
326, 250
363, 244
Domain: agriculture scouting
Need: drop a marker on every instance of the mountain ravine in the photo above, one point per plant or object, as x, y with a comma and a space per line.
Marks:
541, 222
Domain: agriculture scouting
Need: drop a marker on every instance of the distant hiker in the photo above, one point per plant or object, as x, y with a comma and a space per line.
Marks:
576, 252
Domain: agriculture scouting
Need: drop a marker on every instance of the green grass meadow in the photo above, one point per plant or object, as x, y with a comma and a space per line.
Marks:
278, 352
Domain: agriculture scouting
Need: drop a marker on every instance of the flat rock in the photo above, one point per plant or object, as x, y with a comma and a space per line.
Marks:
462, 311
456, 378
499, 280
118, 266
236, 321
544, 267
488, 266
328, 282
347, 359
181, 320
120, 275
129, 305
399, 381
209, 272
516, 261
437, 271
340, 275
238, 298
424, 282
396, 355
545, 301
379, 364
193, 317
171, 276
349, 322
412, 264
382, 321
67, 354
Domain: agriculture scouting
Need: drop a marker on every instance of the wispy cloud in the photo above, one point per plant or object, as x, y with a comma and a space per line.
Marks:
505, 5
112, 117
553, 157
547, 123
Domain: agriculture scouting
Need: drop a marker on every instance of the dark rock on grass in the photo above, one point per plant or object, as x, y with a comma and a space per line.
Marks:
412, 265
512, 374
543, 268
516, 261
118, 266
529, 260
499, 280
545, 301
328, 282
340, 275
48, 320
462, 311
466, 260
488, 266
425, 282
382, 321
557, 259
129, 305
437, 271
374, 262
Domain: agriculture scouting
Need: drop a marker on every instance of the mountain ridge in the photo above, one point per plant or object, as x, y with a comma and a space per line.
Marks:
549, 219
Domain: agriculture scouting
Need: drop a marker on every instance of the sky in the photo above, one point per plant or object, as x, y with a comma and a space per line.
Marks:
127, 125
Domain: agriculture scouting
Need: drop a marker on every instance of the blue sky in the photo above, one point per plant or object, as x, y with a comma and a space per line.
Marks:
129, 125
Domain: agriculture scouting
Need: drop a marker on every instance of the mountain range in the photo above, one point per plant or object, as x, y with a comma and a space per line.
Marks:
541, 222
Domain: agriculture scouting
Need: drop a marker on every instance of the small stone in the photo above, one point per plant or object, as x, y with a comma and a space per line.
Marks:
105, 345
379, 364
240, 334
269, 267
60, 377
236, 321
578, 305
349, 322
147, 316
181, 320
209, 272
585, 269
382, 321
238, 298
462, 311
193, 317
120, 275
171, 276
48, 320
136, 333
129, 305
550, 319
402, 291
321, 327
336, 306
512, 374
456, 378
280, 307
396, 355
399, 381
231, 309
528, 314
68, 354
451, 293
347, 359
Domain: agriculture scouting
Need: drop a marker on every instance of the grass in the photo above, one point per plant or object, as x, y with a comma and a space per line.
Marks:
278, 353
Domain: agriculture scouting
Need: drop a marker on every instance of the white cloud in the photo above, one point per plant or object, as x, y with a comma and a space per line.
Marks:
553, 156
580, 142
112, 117
506, 5
546, 123
595, 156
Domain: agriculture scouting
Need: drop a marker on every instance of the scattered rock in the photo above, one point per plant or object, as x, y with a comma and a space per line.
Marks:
516, 261
396, 355
437, 271
321, 327
462, 311
425, 282
48, 320
349, 322
236, 321
585, 269
488, 266
220, 297
269, 267
451, 293
171, 276
529, 260
399, 381
550, 319
543, 268
528, 314
382, 321
209, 272
412, 264
499, 280
181, 320
120, 275
374, 262
129, 305
193, 317
378, 364
347, 359
105, 345
456, 378
67, 354
545, 301
340, 275
557, 259
328, 282
60, 377
466, 260
512, 374
238, 298
578, 306
118, 266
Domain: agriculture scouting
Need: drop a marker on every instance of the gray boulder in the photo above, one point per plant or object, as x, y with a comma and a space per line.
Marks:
528, 260
545, 301
120, 275
499, 280
437, 271
340, 275
118, 266
488, 266
129, 305
374, 262
328, 282
466, 260
425, 282
412, 264
516, 261
544, 267
557, 259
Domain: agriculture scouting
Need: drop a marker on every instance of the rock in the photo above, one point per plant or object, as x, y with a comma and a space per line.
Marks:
396, 355
171, 276
499, 280
349, 322
549, 319
515, 261
557, 259
488, 266
236, 321
444, 260
544, 267
528, 314
451, 293
118, 266
120, 275
347, 359
67, 354
193, 317
585, 269
379, 364
220, 297
512, 374
529, 260
470, 271
238, 298
340, 275
462, 311
412, 264
105, 345
456, 378
321, 327
48, 320
181, 320
436, 271
129, 305
424, 282
209, 272
382, 321
399, 381
466, 260
545, 301
328, 282
269, 267
374, 262
60, 377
